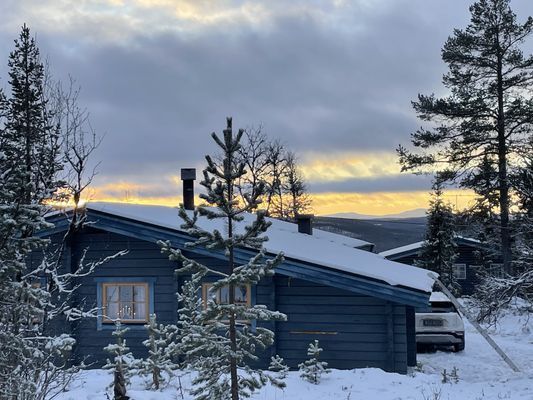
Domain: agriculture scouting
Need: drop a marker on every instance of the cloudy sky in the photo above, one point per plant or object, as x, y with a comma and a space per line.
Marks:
333, 79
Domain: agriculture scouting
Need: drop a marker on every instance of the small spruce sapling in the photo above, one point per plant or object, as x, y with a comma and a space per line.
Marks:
121, 364
158, 360
277, 364
312, 369
454, 376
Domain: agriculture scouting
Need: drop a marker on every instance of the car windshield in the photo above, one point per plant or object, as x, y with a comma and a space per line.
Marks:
442, 307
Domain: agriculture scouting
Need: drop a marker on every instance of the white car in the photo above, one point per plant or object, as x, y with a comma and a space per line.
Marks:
440, 324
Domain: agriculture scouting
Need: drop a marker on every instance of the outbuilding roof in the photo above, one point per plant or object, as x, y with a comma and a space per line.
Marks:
413, 248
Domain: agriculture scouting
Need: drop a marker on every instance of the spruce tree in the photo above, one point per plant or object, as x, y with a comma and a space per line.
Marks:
488, 114
439, 249
31, 138
29, 162
523, 182
32, 356
481, 221
312, 370
225, 371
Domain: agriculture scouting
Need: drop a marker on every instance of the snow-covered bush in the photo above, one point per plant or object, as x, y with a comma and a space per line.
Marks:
311, 370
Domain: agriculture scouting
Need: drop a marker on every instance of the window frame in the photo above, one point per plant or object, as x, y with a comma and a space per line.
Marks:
456, 269
498, 268
149, 280
207, 285
106, 320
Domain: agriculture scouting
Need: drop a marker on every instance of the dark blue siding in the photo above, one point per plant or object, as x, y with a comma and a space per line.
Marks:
354, 331
144, 260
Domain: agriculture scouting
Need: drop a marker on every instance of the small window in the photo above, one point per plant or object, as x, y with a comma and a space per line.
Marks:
459, 271
221, 296
496, 270
125, 301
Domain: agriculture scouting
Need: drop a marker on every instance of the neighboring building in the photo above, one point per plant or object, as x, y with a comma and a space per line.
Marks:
466, 267
359, 305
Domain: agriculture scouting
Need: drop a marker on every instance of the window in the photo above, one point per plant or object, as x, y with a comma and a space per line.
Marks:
496, 270
127, 301
459, 271
242, 295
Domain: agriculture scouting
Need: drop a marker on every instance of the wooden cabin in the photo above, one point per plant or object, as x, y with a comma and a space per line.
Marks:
359, 305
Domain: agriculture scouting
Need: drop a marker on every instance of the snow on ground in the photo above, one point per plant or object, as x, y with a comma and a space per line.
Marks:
482, 375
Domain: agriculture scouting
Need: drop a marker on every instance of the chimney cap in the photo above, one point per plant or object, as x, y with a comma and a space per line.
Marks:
188, 174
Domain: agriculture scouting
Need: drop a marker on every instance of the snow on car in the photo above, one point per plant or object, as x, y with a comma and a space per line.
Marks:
440, 325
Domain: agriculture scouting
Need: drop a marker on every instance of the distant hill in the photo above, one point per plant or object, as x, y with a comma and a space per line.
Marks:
415, 213
385, 232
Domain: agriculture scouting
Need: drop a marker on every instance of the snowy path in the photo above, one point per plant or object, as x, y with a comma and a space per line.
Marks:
482, 376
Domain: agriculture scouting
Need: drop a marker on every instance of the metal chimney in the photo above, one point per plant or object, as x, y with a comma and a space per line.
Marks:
305, 224
188, 176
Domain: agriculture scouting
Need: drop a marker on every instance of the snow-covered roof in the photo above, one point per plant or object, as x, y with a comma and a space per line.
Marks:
401, 249
418, 245
438, 297
322, 248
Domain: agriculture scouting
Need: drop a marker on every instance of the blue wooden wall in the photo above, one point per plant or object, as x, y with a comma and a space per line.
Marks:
354, 330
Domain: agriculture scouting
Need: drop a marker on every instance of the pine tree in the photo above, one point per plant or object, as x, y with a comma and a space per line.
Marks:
488, 114
195, 335
234, 341
121, 364
159, 359
439, 249
312, 370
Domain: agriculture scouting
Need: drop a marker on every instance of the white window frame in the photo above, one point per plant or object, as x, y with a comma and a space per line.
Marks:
496, 270
459, 271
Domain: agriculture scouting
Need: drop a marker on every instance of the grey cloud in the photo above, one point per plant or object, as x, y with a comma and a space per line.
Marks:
396, 183
318, 86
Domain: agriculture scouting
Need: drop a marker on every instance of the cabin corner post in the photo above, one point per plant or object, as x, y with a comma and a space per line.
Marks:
389, 311
411, 335
273, 306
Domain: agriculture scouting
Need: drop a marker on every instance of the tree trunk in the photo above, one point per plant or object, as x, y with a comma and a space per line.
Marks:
503, 182
232, 329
